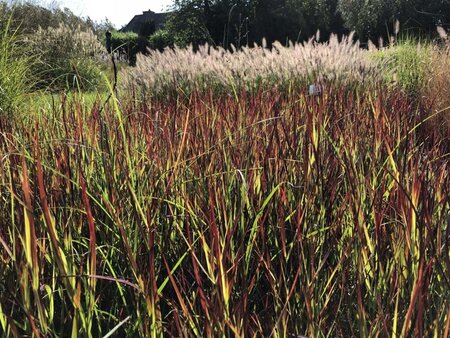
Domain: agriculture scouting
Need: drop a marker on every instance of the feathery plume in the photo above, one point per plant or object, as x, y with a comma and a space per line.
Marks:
442, 33
396, 27
250, 68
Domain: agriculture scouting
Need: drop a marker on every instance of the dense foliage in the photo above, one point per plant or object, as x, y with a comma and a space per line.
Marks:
59, 49
243, 22
15, 69
67, 57
129, 44
28, 16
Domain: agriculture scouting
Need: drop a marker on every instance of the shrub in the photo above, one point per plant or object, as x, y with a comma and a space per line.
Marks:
129, 44
160, 40
67, 57
405, 65
14, 70
123, 42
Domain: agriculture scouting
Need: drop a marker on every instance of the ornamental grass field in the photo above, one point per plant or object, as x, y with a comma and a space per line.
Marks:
239, 212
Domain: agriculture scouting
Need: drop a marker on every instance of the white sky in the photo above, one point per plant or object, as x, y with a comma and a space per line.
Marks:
119, 12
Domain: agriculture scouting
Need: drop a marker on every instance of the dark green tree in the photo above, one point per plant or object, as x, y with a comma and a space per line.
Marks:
422, 16
242, 22
313, 15
369, 19
375, 18
187, 23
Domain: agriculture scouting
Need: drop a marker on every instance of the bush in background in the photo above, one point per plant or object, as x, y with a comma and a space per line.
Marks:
405, 65
160, 40
14, 69
129, 44
28, 16
69, 57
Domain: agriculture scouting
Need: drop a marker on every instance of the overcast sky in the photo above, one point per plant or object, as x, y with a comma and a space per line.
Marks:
119, 12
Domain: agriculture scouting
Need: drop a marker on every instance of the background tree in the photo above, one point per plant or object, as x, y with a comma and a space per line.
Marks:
369, 19
28, 17
187, 23
313, 15
239, 22
100, 28
421, 16
375, 18
242, 22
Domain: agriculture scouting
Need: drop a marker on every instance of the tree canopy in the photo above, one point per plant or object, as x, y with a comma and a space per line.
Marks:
241, 22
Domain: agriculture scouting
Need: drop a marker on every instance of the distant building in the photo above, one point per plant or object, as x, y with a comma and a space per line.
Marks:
148, 16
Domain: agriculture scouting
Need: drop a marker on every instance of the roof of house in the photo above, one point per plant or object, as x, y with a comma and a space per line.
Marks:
138, 20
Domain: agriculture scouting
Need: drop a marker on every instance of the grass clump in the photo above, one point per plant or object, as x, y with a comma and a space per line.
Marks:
251, 215
406, 65
183, 70
14, 69
421, 70
69, 57
436, 88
